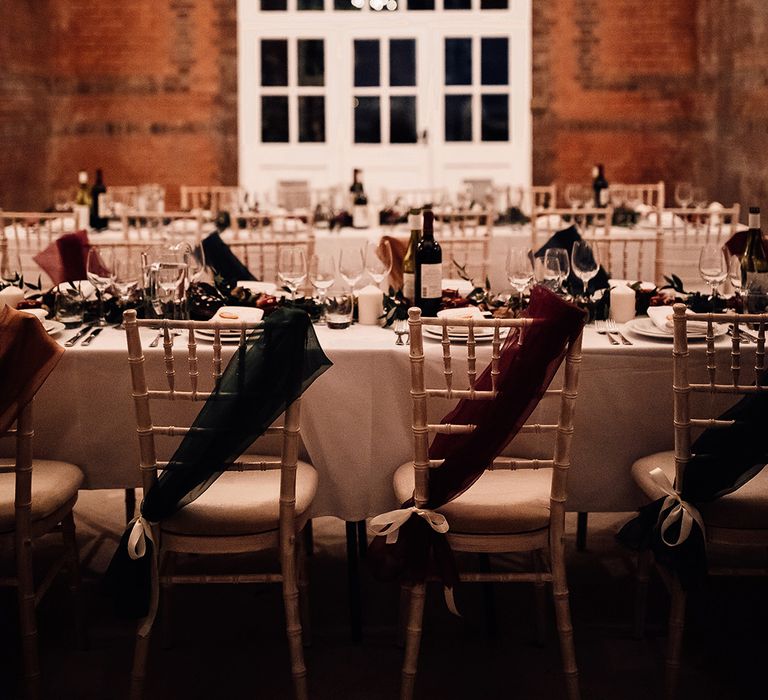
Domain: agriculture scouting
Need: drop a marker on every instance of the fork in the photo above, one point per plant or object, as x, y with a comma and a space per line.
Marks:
159, 337
613, 328
601, 328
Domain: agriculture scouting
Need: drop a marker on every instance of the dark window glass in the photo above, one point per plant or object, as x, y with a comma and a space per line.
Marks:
457, 4
402, 62
312, 118
345, 5
458, 61
366, 62
274, 62
310, 4
311, 62
402, 119
267, 5
367, 120
421, 4
494, 61
274, 119
495, 118
458, 117
493, 4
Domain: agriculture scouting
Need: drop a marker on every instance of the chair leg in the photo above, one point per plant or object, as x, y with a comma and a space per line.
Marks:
293, 618
130, 504
675, 642
489, 600
27, 618
539, 588
69, 535
581, 531
412, 640
139, 670
642, 576
304, 609
353, 583
563, 615
166, 601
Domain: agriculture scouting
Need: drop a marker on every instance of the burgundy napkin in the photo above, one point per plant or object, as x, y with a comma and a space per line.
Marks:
738, 242
398, 248
27, 356
65, 259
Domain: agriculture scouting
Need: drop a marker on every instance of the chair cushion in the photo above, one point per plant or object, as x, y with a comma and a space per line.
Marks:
499, 502
53, 484
744, 509
243, 503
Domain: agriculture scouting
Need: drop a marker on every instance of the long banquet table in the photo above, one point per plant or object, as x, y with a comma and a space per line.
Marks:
356, 417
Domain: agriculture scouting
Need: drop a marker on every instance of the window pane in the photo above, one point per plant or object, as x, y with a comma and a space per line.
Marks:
402, 119
457, 4
312, 118
346, 5
458, 61
267, 5
458, 117
310, 4
274, 119
402, 62
311, 62
493, 4
274, 62
421, 4
495, 124
494, 64
366, 62
367, 120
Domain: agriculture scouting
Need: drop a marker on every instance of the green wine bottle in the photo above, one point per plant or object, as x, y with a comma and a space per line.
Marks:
409, 260
754, 266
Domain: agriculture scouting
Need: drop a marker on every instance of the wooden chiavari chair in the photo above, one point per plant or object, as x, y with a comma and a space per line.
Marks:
631, 195
530, 200
590, 221
36, 499
406, 199
736, 520
259, 503
117, 199
159, 226
464, 234
633, 256
212, 198
518, 505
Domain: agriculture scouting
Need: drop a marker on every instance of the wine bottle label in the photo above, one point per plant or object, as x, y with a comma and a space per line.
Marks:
359, 216
431, 280
756, 283
604, 196
414, 222
409, 286
754, 221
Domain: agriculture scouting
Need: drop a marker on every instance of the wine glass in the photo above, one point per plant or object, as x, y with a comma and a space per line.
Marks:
712, 267
10, 264
734, 273
574, 195
378, 260
351, 266
100, 271
584, 262
556, 267
683, 194
519, 270
127, 275
700, 200
322, 275
292, 268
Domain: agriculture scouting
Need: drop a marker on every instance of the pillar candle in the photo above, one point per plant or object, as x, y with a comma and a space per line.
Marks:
11, 296
369, 306
622, 303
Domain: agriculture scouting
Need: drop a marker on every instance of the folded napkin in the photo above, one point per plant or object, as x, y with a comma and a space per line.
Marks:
463, 313
219, 257
662, 318
27, 356
66, 258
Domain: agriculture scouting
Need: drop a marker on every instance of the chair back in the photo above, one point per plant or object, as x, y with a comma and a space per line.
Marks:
560, 431
464, 234
212, 198
697, 227
117, 199
161, 226
22, 469
725, 374
633, 195
190, 384
528, 200
630, 255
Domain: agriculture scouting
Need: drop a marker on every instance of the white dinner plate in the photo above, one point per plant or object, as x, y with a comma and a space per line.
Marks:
226, 336
53, 327
481, 334
647, 328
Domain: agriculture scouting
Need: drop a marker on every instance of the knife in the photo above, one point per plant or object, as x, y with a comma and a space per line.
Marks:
82, 332
90, 338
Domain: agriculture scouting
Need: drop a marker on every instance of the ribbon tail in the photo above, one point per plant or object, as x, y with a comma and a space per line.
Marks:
450, 601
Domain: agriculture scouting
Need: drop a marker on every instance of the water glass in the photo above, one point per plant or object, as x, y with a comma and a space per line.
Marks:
69, 304
339, 307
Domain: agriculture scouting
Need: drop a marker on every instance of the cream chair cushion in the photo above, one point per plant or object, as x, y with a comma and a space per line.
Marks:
54, 484
745, 509
499, 502
243, 503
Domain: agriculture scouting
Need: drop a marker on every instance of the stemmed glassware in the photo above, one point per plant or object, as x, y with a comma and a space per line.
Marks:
584, 262
519, 270
734, 273
713, 267
292, 268
556, 267
683, 194
378, 261
100, 271
126, 276
322, 275
351, 266
10, 264
575, 195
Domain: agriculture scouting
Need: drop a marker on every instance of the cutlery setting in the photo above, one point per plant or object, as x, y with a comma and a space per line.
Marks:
84, 331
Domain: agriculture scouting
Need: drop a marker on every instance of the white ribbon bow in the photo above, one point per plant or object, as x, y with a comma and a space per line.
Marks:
389, 524
682, 511
141, 531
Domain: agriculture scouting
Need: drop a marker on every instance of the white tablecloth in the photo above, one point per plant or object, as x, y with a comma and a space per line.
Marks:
356, 417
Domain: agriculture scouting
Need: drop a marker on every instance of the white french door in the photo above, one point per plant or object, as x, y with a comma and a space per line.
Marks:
416, 99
